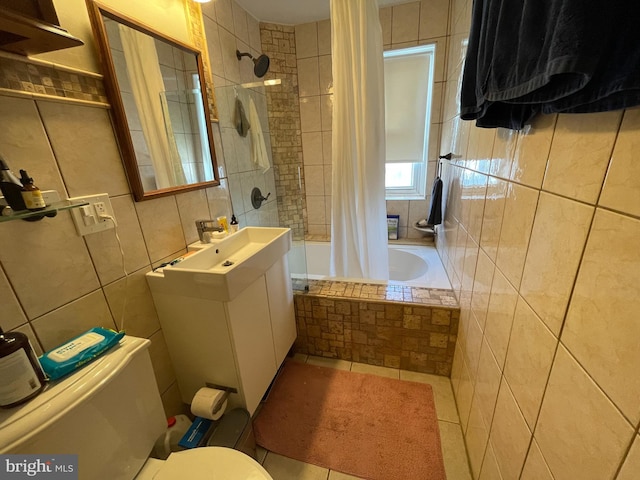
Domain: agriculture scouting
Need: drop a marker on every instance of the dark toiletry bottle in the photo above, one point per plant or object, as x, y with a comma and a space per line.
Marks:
234, 224
31, 194
21, 375
11, 187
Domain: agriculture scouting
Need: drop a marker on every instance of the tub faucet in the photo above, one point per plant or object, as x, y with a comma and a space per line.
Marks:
207, 226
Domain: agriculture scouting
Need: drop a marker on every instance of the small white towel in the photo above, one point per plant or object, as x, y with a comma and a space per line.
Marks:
259, 154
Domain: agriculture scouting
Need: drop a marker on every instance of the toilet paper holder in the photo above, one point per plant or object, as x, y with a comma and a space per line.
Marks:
227, 391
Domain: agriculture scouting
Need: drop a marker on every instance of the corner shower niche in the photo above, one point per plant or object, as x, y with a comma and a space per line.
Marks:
229, 325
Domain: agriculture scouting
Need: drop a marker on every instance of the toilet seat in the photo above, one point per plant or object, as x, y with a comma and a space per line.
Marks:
208, 463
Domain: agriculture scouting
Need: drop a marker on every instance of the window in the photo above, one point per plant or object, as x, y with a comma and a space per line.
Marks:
408, 85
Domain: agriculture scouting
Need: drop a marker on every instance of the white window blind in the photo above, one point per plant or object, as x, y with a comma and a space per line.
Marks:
408, 77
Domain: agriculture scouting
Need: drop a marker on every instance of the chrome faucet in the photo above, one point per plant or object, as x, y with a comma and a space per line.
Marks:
207, 226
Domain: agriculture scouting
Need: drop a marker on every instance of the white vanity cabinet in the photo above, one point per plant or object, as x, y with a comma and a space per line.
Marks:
283, 320
240, 342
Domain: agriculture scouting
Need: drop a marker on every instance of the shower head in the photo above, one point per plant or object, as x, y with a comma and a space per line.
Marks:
260, 64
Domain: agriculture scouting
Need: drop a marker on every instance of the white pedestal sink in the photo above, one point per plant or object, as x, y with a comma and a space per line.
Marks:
227, 313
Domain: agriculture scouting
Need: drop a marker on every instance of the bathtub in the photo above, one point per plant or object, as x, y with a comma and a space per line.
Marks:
412, 265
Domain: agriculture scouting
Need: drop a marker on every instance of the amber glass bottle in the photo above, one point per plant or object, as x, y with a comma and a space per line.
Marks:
21, 375
31, 194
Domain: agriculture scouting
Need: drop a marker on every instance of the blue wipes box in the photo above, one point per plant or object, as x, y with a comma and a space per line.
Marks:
196, 433
79, 351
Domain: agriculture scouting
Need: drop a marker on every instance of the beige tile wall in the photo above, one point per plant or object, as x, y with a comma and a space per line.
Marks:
409, 24
541, 243
55, 284
228, 27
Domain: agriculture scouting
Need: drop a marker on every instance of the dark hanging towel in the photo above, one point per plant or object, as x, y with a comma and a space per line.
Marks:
549, 56
435, 206
241, 122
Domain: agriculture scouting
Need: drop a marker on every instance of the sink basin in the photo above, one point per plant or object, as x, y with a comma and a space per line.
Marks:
224, 269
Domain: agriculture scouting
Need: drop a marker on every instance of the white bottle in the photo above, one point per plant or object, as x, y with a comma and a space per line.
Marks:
168, 442
234, 224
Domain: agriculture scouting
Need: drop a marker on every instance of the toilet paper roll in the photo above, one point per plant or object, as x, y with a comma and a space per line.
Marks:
205, 401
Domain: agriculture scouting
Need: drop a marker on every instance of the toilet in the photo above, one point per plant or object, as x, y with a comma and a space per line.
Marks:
110, 414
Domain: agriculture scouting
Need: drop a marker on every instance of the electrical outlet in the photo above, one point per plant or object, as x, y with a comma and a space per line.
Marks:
101, 210
93, 218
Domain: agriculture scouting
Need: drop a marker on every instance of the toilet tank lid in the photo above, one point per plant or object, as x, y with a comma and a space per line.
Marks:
27, 420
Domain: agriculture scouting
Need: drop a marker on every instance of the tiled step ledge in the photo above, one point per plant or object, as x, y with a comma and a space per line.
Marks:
412, 336
383, 293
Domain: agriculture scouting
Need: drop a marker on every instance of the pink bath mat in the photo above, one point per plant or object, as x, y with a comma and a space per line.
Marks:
371, 427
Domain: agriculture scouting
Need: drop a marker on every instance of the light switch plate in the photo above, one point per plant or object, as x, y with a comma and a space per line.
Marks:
95, 224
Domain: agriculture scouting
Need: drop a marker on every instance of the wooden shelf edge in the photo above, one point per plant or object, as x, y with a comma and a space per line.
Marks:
29, 36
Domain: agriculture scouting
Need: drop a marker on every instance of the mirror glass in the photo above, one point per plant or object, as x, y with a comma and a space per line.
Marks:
156, 88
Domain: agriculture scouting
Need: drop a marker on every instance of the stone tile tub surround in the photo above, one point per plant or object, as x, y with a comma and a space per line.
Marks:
278, 42
409, 328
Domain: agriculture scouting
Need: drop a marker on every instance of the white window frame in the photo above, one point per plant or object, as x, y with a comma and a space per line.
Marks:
417, 190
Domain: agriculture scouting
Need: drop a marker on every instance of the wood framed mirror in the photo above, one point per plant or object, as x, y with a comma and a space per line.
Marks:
156, 87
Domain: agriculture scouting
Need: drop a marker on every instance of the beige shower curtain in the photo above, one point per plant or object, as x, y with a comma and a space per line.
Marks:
143, 69
358, 211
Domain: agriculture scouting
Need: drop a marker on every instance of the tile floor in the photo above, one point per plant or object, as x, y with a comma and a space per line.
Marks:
453, 449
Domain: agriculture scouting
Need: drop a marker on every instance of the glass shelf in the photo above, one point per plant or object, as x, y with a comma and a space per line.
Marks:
50, 211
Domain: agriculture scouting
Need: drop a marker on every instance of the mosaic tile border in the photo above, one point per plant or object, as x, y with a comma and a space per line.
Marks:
434, 297
278, 42
28, 77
